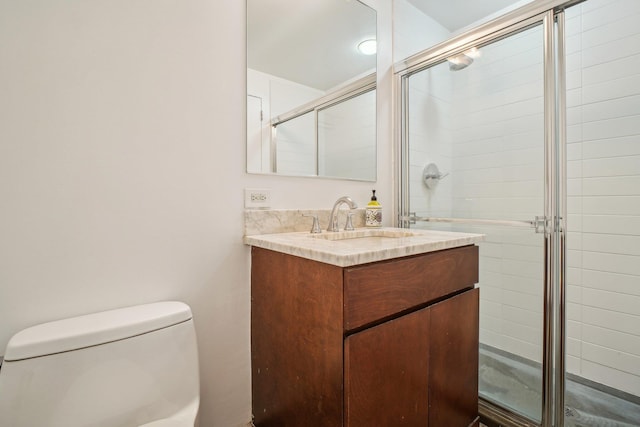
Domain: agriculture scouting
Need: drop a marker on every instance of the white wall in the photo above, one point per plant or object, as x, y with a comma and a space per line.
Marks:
122, 168
413, 30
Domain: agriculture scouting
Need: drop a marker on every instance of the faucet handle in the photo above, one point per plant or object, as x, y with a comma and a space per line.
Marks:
349, 224
315, 228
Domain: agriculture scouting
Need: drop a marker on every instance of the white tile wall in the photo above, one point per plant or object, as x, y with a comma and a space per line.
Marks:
606, 191
490, 139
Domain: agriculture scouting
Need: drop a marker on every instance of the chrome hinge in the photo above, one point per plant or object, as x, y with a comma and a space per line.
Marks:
541, 224
409, 219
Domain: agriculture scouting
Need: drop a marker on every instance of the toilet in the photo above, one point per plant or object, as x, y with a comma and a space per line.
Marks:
134, 366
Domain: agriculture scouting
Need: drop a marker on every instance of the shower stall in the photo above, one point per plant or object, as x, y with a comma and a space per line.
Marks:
527, 129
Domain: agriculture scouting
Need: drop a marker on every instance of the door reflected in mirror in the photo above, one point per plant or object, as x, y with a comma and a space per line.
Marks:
311, 88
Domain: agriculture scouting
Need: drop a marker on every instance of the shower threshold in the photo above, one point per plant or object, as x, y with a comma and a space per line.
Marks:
515, 383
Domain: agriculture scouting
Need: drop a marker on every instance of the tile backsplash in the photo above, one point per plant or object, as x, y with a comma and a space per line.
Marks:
269, 221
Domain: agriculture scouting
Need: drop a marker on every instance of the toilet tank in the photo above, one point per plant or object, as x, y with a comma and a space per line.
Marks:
124, 367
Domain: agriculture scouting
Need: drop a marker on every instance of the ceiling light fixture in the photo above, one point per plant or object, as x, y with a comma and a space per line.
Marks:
368, 47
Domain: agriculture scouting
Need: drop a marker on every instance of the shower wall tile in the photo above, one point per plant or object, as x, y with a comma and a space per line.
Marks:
574, 134
592, 5
613, 166
613, 89
574, 297
611, 205
574, 206
575, 115
528, 318
598, 13
574, 187
620, 341
574, 221
520, 332
612, 147
606, 375
613, 301
574, 169
515, 299
622, 27
574, 277
573, 363
574, 97
477, 147
574, 241
612, 108
521, 172
574, 79
574, 258
574, 329
611, 128
614, 282
619, 224
613, 263
611, 71
573, 61
574, 311
522, 348
603, 355
613, 320
615, 186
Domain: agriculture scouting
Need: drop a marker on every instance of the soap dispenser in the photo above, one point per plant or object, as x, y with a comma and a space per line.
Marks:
373, 212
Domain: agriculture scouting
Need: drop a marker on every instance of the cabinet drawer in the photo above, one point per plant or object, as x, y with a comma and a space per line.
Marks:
380, 290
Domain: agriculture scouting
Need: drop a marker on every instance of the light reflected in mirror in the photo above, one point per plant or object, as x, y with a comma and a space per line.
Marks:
311, 98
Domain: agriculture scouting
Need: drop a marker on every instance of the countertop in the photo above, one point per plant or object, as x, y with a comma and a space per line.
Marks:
359, 249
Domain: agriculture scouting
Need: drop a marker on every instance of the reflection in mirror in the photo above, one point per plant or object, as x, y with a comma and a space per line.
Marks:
311, 98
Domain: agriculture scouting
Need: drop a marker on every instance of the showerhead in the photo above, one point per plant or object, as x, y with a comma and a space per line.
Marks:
459, 62
464, 59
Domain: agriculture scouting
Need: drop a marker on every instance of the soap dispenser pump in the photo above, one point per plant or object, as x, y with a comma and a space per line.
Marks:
373, 212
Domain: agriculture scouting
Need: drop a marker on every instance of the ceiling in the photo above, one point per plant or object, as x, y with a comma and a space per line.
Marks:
457, 14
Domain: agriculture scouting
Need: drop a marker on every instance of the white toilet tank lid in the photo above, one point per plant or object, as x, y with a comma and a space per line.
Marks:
94, 329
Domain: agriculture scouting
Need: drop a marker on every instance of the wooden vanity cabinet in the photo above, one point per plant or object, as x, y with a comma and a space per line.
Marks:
391, 343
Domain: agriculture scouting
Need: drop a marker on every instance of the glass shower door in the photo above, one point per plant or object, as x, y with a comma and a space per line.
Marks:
475, 162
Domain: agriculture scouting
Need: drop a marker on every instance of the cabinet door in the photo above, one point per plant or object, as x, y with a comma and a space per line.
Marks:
387, 373
453, 386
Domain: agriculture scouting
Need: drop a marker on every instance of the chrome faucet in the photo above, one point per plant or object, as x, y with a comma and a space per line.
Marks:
333, 219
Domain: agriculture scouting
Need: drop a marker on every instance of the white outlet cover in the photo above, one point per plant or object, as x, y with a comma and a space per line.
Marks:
257, 198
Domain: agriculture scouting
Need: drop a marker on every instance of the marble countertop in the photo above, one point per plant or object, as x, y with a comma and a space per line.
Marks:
358, 247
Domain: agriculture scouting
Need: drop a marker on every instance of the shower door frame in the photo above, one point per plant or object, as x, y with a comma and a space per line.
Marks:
549, 14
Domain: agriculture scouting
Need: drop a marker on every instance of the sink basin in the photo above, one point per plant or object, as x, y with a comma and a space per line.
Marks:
364, 234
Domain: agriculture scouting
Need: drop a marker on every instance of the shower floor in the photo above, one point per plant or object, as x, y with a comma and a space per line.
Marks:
516, 383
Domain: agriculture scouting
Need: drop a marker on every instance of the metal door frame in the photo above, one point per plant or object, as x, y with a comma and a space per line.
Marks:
549, 14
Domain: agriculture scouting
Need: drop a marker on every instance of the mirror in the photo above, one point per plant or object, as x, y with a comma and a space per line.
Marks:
311, 92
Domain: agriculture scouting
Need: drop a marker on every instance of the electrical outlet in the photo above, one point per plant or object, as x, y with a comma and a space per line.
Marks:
259, 198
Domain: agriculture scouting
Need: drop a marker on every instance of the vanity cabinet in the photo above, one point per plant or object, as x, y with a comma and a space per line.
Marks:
389, 343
